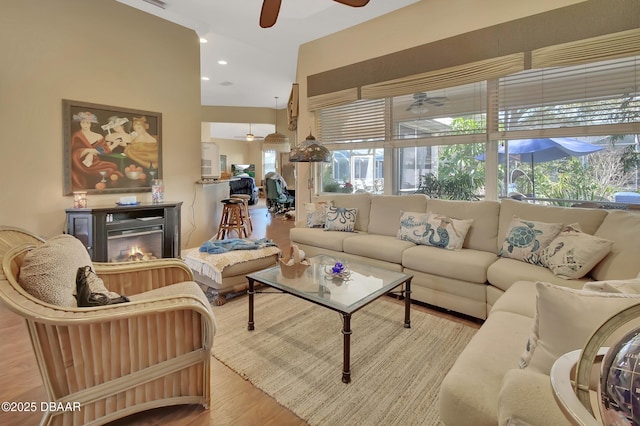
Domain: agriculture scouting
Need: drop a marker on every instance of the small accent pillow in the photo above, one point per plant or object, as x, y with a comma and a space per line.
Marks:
413, 227
445, 232
572, 254
526, 239
566, 318
49, 271
317, 214
341, 219
631, 286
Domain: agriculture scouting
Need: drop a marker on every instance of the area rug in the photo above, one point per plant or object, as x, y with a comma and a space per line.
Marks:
295, 355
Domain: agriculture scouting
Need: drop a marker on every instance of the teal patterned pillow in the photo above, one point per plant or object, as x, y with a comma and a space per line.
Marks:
341, 219
413, 227
432, 229
447, 233
526, 240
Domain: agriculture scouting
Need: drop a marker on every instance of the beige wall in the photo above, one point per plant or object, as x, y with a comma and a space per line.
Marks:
102, 52
421, 23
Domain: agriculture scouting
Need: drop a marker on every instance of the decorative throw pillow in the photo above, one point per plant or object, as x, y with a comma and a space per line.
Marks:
317, 213
445, 232
566, 318
341, 219
49, 271
573, 253
631, 286
413, 227
526, 239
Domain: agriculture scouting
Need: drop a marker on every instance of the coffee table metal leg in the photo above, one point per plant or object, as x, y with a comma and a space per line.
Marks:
346, 331
250, 292
407, 304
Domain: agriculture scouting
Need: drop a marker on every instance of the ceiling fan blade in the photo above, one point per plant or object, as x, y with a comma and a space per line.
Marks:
353, 3
269, 13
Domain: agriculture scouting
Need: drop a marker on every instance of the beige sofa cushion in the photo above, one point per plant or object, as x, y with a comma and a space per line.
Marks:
520, 299
361, 201
622, 262
380, 247
466, 264
484, 232
386, 210
469, 392
526, 398
318, 237
504, 272
589, 219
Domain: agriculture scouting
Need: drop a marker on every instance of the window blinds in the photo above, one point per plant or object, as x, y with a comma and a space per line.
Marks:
549, 101
361, 121
447, 77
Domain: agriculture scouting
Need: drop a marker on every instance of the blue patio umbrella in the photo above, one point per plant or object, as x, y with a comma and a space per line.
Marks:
543, 150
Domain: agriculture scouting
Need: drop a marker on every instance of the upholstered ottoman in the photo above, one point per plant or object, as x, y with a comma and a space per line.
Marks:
225, 273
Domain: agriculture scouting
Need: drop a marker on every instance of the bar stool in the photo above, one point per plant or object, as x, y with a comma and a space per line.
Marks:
231, 219
246, 216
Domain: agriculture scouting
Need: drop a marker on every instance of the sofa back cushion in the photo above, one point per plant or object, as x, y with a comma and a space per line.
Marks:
589, 219
386, 210
623, 227
483, 233
361, 201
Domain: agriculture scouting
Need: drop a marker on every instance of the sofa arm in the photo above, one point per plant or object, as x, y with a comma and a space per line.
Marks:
526, 397
130, 278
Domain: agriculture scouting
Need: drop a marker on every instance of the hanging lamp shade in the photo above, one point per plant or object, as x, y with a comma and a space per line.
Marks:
276, 141
310, 151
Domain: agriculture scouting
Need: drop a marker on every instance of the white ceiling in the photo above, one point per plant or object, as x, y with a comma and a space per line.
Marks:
261, 62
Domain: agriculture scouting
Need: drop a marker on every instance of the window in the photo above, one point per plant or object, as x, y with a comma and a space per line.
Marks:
269, 161
441, 135
359, 170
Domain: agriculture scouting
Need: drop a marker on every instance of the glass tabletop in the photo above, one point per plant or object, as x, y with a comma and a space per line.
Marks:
359, 286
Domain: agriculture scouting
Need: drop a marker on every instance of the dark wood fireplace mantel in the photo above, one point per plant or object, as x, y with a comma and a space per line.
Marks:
92, 225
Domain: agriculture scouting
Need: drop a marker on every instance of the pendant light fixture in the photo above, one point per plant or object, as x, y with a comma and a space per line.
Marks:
310, 151
276, 141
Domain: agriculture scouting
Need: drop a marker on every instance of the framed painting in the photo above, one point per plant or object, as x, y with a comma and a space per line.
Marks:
110, 149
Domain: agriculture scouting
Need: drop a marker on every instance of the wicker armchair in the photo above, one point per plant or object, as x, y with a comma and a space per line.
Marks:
116, 360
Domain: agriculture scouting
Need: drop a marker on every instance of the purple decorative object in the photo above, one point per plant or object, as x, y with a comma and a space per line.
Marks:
337, 268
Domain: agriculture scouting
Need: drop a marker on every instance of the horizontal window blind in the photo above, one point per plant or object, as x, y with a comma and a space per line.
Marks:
594, 94
361, 122
609, 46
446, 112
332, 99
447, 77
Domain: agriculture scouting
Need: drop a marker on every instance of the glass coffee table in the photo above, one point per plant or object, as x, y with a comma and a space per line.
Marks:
317, 285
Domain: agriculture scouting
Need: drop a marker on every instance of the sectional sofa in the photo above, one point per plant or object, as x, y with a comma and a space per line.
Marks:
486, 386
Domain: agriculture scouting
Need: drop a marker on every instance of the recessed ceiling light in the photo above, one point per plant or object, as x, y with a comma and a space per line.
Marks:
222, 62
203, 40
226, 83
205, 78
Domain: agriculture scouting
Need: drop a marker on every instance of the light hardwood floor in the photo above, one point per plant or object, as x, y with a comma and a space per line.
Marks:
234, 401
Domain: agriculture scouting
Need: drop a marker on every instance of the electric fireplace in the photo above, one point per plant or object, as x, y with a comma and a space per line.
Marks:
143, 243
127, 233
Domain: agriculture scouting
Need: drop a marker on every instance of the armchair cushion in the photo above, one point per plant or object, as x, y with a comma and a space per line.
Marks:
49, 271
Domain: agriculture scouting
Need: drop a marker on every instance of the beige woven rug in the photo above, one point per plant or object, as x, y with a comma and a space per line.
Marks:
295, 355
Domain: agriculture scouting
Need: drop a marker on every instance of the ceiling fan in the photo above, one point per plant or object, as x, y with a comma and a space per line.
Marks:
250, 136
421, 99
271, 8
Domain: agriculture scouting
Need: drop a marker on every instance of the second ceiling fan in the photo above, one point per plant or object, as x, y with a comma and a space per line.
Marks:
271, 8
